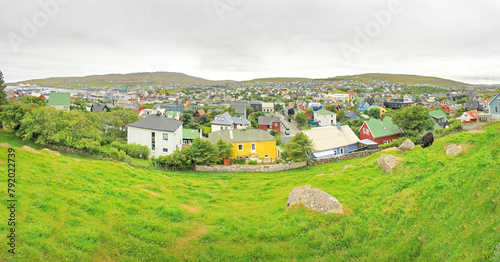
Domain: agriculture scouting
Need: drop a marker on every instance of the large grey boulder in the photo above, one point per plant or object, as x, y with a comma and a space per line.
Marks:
387, 162
453, 149
315, 199
407, 145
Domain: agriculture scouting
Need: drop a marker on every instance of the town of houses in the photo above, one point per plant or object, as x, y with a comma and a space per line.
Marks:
162, 106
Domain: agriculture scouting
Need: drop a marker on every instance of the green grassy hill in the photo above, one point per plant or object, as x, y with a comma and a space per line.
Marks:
122, 79
405, 79
433, 207
278, 79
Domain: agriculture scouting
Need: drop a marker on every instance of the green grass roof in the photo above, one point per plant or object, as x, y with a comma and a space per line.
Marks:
383, 128
437, 114
324, 112
59, 98
190, 133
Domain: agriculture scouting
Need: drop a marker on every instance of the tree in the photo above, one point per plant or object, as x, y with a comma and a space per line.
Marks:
225, 149
459, 112
202, 152
34, 100
3, 95
340, 116
374, 112
186, 118
301, 119
249, 110
413, 119
331, 108
298, 147
278, 107
310, 111
463, 100
355, 125
11, 115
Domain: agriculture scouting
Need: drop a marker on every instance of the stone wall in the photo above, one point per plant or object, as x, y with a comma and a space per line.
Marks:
344, 157
256, 168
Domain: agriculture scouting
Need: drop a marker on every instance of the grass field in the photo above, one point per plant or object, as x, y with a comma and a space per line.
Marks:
433, 207
405, 79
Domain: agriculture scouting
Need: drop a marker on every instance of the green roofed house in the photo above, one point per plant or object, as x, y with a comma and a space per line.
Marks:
440, 119
325, 117
59, 100
188, 135
380, 131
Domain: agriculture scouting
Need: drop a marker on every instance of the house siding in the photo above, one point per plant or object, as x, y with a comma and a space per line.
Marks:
261, 149
143, 137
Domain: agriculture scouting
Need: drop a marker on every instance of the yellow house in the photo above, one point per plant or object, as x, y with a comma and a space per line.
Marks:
248, 143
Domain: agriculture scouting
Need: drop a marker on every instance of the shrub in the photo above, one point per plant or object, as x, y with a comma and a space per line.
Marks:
252, 162
133, 150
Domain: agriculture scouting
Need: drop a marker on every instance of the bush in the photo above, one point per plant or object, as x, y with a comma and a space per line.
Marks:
239, 161
252, 162
116, 154
133, 150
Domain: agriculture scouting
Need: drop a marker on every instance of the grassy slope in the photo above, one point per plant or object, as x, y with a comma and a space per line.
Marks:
433, 207
125, 79
278, 79
405, 79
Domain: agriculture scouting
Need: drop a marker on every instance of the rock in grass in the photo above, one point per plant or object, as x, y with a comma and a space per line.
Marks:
53, 152
28, 148
407, 145
453, 149
387, 162
315, 199
5, 144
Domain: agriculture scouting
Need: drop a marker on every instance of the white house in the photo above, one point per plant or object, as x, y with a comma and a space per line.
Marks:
325, 117
268, 107
226, 121
162, 135
331, 141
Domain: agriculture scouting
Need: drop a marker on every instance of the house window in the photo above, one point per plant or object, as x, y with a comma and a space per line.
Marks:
365, 130
152, 141
165, 150
341, 151
254, 146
165, 136
240, 147
496, 109
387, 141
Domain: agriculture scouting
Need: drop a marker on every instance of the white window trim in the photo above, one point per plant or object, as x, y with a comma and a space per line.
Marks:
239, 147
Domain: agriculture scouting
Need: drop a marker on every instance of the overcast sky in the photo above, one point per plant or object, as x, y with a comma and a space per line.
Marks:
245, 39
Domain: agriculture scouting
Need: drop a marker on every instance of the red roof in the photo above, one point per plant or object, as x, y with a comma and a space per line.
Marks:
473, 113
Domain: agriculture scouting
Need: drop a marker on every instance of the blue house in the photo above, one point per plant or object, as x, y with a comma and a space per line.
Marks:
494, 108
332, 141
362, 106
350, 116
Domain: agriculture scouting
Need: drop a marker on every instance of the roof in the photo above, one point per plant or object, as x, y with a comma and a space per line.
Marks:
437, 114
99, 107
473, 113
383, 128
241, 135
330, 137
324, 112
157, 122
226, 120
190, 133
59, 98
349, 114
268, 120
368, 142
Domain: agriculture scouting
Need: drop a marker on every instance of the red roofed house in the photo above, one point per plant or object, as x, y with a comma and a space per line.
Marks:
469, 116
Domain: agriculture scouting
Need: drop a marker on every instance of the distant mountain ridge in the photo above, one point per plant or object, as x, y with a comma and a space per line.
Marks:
400, 78
147, 78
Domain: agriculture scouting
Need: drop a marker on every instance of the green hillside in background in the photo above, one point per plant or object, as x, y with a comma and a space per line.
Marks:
122, 79
278, 80
405, 79
152, 78
432, 207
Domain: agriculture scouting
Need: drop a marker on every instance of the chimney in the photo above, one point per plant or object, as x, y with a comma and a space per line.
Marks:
231, 134
338, 126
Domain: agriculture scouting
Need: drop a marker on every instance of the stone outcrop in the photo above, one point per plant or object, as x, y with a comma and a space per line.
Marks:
28, 148
387, 162
315, 199
453, 149
53, 152
5, 144
407, 145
